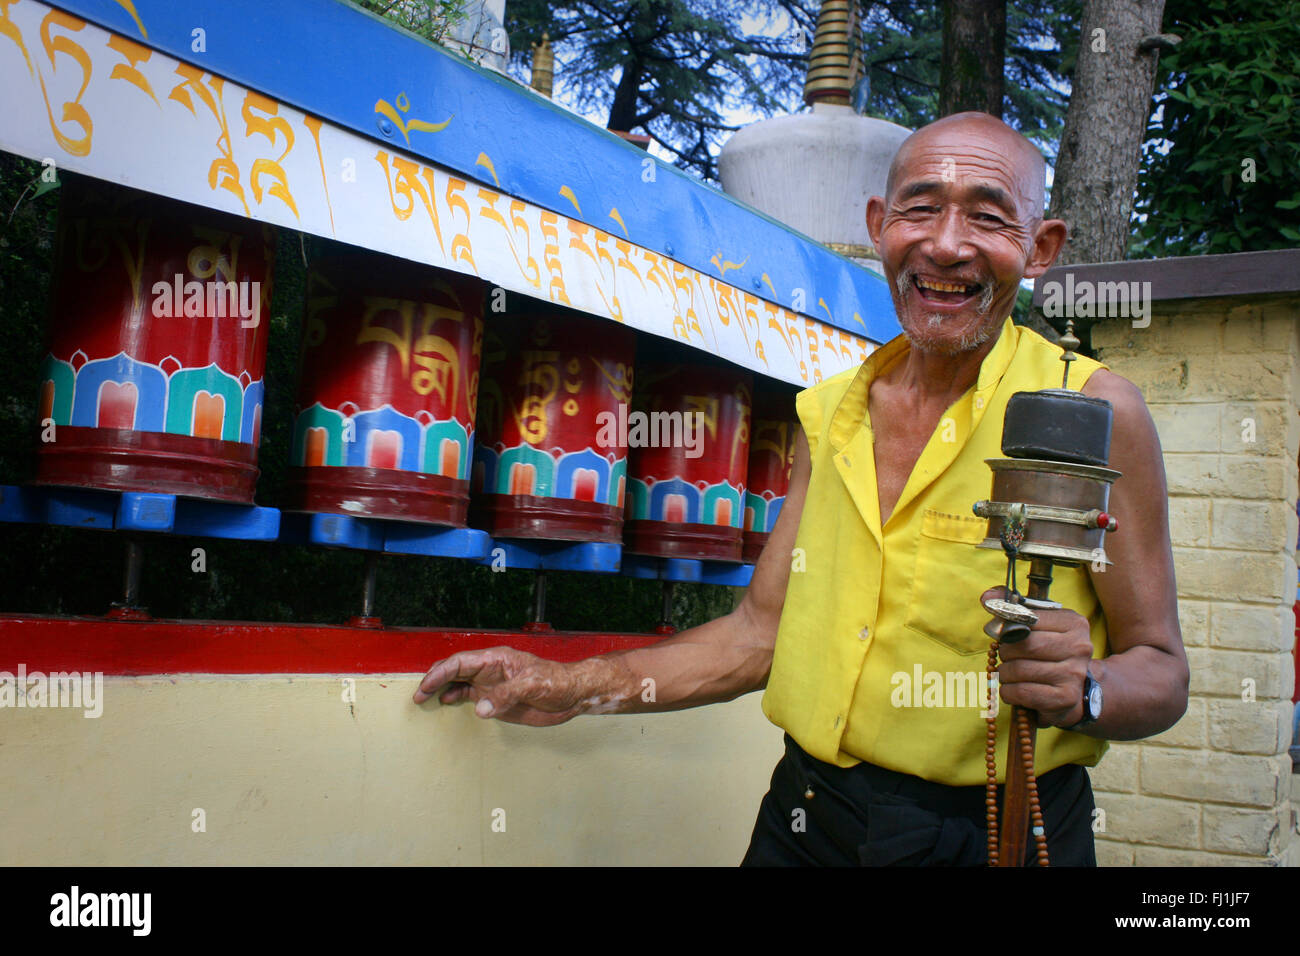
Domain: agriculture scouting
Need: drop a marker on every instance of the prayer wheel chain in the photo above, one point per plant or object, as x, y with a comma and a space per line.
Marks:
1024, 746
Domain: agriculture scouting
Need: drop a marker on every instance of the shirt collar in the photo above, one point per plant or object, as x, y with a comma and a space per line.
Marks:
852, 409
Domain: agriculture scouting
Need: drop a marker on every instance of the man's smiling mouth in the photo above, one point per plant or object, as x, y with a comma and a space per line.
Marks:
936, 292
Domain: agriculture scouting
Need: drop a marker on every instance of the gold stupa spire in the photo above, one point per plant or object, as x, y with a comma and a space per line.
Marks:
835, 62
543, 66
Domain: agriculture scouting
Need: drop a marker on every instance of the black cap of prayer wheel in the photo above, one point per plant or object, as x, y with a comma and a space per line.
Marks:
1057, 424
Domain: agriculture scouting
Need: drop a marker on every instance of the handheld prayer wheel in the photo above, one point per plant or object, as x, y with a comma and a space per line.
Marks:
389, 382
550, 461
157, 332
771, 456
1048, 505
689, 453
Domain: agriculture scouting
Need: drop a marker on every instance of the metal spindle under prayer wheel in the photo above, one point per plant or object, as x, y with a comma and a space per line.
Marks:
367, 616
538, 622
666, 613
129, 606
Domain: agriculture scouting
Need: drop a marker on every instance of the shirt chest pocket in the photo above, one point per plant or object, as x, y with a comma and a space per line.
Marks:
950, 575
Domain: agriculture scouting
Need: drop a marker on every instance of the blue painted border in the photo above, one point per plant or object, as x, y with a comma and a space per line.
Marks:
293, 50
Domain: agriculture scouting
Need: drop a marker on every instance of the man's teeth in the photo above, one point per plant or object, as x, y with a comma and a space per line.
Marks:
944, 286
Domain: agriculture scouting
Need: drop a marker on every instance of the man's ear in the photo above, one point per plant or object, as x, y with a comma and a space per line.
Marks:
875, 216
1049, 238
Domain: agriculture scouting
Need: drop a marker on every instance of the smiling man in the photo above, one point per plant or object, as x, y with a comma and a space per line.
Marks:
890, 459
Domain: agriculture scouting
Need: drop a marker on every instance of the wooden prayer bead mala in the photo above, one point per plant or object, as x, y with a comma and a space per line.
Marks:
1022, 738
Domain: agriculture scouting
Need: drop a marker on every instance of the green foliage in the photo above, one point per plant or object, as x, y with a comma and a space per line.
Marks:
902, 50
432, 20
903, 44
68, 571
673, 69
1021, 311
690, 72
27, 233
1228, 93
1042, 45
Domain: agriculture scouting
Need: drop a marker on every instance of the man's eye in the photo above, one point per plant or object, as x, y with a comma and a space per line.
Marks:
921, 209
988, 217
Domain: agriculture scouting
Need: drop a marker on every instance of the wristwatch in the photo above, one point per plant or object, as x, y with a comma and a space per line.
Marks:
1091, 702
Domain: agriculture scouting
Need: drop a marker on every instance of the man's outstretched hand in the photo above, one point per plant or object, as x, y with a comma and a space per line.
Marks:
1045, 672
510, 685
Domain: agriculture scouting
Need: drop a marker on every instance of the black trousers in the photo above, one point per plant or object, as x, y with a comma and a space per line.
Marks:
817, 814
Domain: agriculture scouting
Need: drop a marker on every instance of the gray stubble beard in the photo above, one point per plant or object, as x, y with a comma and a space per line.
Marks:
969, 341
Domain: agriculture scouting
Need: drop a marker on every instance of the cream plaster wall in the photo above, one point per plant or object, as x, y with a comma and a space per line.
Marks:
287, 772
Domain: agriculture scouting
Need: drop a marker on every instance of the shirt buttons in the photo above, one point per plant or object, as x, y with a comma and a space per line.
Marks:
847, 463
864, 633
979, 401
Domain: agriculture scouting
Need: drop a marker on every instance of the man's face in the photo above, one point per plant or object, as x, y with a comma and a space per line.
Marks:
957, 233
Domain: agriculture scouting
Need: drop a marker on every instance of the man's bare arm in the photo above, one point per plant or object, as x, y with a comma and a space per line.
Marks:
717, 661
1145, 679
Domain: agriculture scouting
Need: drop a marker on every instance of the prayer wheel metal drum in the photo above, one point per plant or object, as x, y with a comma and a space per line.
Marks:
386, 398
1054, 489
158, 329
771, 456
550, 461
1064, 507
687, 502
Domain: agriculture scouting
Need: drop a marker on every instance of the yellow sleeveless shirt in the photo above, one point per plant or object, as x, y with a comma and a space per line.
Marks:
881, 653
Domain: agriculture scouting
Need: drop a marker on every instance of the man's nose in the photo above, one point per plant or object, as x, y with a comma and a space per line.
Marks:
950, 240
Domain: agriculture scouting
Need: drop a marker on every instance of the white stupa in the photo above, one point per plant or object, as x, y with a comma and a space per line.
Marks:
815, 171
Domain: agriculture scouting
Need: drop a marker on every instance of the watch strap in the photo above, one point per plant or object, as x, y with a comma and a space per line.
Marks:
1088, 717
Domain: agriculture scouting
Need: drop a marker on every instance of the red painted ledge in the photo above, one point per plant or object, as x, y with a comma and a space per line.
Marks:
129, 648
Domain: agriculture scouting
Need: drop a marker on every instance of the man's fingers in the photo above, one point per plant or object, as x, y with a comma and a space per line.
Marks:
1051, 619
1029, 670
1052, 708
459, 668
454, 693
503, 684
477, 676
1047, 645
992, 593
442, 673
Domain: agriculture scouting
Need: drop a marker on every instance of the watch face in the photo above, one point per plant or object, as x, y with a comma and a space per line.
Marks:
1094, 701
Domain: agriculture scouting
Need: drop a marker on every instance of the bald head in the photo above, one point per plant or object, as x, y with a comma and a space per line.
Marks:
960, 226
960, 130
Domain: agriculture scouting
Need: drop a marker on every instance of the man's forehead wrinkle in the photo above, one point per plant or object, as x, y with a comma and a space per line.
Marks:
988, 160
980, 191
991, 168
1010, 157
990, 180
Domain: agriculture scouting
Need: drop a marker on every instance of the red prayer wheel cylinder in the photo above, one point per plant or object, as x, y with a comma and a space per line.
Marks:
384, 424
771, 456
686, 492
550, 462
158, 328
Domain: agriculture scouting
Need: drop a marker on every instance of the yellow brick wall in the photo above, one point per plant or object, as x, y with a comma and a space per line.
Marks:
1222, 379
